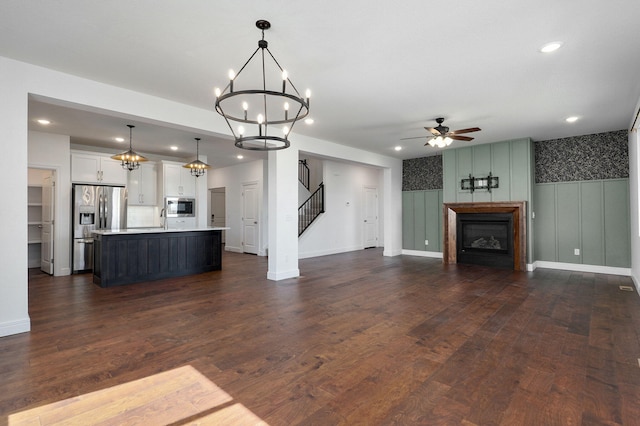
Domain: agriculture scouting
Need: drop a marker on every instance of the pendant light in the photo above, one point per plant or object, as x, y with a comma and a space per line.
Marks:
270, 109
197, 167
130, 159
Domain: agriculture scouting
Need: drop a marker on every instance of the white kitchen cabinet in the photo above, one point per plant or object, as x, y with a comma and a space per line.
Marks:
181, 223
142, 185
96, 168
177, 181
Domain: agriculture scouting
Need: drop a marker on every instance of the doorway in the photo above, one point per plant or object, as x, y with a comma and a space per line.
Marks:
370, 229
40, 218
218, 208
250, 214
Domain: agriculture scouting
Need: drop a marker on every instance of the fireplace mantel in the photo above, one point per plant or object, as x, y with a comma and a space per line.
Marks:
516, 208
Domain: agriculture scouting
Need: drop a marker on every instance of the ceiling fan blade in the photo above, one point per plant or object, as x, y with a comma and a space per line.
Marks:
469, 130
433, 130
460, 138
416, 137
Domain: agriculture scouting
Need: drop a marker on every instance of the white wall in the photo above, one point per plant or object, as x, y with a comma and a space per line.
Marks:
14, 315
634, 198
50, 151
340, 228
232, 178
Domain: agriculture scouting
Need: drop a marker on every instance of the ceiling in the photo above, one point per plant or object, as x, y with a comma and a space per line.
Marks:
379, 71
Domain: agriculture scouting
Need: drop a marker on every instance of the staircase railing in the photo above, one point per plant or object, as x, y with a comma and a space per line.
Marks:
311, 209
303, 173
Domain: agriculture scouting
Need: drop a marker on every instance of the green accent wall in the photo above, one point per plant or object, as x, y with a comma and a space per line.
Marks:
511, 161
591, 216
422, 220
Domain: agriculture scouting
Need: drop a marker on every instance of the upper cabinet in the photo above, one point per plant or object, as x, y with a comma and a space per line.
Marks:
177, 181
141, 185
96, 168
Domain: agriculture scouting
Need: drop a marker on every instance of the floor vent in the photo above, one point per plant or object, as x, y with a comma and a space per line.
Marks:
626, 288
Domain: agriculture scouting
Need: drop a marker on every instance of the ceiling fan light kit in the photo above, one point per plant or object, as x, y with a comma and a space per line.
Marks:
270, 111
441, 137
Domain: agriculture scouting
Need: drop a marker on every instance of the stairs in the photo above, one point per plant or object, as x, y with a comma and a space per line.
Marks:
311, 209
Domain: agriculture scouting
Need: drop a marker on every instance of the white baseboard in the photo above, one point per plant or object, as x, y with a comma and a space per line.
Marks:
328, 252
434, 254
233, 249
277, 276
15, 327
597, 269
391, 253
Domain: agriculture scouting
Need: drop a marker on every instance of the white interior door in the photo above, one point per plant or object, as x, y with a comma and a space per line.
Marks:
370, 230
46, 248
218, 209
250, 213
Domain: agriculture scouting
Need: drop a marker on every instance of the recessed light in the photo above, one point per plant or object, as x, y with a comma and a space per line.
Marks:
44, 122
309, 121
173, 148
398, 148
572, 119
240, 157
119, 139
551, 47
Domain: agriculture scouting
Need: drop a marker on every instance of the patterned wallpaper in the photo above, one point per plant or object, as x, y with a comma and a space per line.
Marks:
419, 174
578, 158
588, 157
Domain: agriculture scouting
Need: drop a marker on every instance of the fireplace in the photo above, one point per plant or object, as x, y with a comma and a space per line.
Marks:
491, 234
485, 239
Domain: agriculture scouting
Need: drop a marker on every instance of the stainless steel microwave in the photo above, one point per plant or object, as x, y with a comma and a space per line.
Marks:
180, 207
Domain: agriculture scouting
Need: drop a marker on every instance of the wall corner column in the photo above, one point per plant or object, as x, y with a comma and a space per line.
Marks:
283, 214
392, 178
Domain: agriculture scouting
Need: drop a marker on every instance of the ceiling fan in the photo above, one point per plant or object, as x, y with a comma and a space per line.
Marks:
441, 136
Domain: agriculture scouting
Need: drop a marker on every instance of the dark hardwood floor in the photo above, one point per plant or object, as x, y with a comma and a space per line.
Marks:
358, 339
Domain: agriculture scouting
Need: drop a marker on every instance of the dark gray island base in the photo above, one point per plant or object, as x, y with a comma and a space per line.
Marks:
129, 257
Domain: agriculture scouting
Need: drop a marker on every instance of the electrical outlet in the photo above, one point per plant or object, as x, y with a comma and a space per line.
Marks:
426, 242
576, 252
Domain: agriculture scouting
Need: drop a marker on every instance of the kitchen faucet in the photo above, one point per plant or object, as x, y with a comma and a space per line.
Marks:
163, 219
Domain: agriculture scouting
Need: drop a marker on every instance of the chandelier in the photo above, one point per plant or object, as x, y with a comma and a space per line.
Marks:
269, 111
197, 167
130, 160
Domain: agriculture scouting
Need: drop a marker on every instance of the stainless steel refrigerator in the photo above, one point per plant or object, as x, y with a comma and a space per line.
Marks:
95, 208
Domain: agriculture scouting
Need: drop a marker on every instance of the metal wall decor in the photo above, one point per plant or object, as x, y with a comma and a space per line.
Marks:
474, 183
271, 110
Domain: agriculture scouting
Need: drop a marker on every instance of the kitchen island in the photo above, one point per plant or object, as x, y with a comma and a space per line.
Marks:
137, 255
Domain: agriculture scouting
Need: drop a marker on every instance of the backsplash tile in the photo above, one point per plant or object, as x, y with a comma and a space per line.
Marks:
423, 173
142, 216
580, 158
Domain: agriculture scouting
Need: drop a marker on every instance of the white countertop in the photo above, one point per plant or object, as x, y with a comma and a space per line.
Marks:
157, 230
